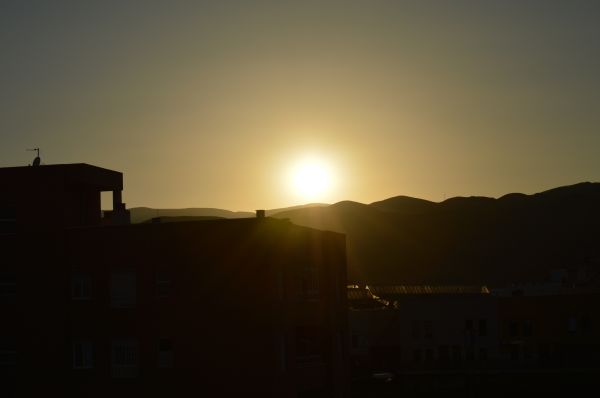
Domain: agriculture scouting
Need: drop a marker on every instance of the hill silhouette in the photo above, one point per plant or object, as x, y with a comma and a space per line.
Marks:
462, 240
181, 219
144, 214
465, 240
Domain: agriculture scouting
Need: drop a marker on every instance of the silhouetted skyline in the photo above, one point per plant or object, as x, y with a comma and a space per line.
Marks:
207, 104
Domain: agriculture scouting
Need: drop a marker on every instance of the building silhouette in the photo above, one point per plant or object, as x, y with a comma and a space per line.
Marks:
93, 306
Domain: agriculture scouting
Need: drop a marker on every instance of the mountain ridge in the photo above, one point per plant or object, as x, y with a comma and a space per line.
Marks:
515, 238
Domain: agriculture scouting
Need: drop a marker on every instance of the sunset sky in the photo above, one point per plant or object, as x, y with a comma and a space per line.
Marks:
214, 103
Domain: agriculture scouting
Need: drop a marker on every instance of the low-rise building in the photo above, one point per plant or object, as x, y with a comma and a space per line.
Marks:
426, 327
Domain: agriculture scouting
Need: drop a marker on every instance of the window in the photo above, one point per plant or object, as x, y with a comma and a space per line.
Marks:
417, 355
309, 344
165, 353
8, 352
309, 282
483, 354
456, 353
125, 358
483, 328
83, 354
572, 325
123, 289
416, 330
470, 354
428, 329
81, 286
444, 353
513, 329
544, 350
469, 324
8, 287
8, 220
586, 323
163, 284
513, 351
428, 355
527, 328
527, 354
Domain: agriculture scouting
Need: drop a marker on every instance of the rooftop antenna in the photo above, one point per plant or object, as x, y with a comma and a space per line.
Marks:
37, 161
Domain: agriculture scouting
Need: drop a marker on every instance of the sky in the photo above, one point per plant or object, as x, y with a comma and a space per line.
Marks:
213, 103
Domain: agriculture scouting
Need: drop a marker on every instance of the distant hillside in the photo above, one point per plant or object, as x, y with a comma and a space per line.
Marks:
182, 219
143, 214
272, 212
464, 240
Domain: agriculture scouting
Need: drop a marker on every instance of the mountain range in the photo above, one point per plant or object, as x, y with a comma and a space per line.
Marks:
516, 238
144, 214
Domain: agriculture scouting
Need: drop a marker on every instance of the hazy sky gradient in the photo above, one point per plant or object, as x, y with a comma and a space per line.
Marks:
209, 103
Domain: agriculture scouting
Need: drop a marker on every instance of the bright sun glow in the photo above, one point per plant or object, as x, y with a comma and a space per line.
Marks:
311, 179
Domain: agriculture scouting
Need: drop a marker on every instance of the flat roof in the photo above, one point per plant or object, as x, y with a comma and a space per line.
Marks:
67, 174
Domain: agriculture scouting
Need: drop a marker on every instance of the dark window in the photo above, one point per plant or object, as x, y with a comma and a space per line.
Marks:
8, 287
572, 325
81, 286
125, 358
123, 292
163, 283
469, 324
309, 344
429, 355
586, 323
527, 328
417, 355
470, 354
544, 350
513, 329
527, 354
165, 353
416, 329
513, 350
8, 220
483, 328
83, 354
428, 329
354, 341
483, 354
8, 353
444, 353
456, 353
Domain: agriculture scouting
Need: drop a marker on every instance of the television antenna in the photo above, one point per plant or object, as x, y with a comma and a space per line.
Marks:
37, 161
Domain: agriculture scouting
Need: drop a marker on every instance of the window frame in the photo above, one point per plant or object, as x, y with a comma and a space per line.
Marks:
166, 357
81, 285
123, 301
82, 354
164, 282
130, 348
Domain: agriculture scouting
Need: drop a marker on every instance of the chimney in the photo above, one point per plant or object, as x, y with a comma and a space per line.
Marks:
260, 214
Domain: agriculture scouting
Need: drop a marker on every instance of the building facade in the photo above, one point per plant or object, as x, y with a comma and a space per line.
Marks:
95, 307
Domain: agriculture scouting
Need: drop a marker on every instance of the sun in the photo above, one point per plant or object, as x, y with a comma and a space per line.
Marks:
311, 179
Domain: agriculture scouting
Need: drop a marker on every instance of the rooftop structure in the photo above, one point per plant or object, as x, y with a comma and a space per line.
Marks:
55, 196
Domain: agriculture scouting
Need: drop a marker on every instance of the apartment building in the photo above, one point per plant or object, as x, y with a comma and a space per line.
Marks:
93, 306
